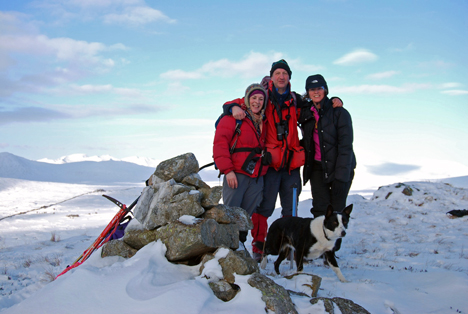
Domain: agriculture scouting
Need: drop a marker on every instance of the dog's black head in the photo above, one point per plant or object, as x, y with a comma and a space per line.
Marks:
336, 223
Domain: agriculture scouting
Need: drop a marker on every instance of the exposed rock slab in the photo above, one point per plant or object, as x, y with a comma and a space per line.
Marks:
177, 168
276, 298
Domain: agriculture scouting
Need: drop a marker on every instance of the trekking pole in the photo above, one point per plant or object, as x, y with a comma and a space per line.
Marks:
294, 214
105, 234
206, 166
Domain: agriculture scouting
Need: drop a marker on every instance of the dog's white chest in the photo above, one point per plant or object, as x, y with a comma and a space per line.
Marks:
318, 249
323, 244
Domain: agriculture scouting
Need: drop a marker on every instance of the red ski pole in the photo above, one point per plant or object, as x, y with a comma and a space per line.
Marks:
105, 234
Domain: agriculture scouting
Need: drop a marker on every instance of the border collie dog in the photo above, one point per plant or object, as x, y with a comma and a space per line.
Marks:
310, 237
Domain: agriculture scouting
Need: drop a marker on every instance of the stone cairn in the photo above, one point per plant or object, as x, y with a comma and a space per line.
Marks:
175, 191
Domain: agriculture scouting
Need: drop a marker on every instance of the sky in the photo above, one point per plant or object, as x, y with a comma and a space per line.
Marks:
148, 78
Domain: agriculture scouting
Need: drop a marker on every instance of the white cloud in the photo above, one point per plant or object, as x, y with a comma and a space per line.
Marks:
176, 88
253, 64
435, 64
177, 75
109, 63
103, 3
128, 92
91, 89
64, 49
118, 46
125, 12
382, 75
298, 65
450, 85
56, 61
356, 57
137, 16
408, 47
88, 89
380, 89
455, 92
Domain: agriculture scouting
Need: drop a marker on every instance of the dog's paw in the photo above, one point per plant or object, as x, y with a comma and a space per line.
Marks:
344, 280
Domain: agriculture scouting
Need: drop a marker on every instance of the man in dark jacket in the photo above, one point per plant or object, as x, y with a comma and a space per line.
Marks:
328, 143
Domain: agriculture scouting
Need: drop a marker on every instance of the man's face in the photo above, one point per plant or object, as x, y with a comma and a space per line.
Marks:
280, 79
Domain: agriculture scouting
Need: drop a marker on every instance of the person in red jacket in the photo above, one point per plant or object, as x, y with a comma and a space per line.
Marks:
239, 155
282, 141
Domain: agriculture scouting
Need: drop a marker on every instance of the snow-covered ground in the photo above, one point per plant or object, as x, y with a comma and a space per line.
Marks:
402, 253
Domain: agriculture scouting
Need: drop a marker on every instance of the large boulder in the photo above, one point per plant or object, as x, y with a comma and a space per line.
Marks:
183, 241
211, 196
235, 262
177, 168
226, 215
117, 248
188, 241
346, 306
141, 209
224, 290
276, 297
168, 201
137, 236
196, 181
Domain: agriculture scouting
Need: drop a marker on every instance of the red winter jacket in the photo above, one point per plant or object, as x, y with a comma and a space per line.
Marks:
288, 153
224, 138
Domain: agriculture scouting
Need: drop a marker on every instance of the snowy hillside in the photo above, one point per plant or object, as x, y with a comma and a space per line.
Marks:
86, 172
402, 253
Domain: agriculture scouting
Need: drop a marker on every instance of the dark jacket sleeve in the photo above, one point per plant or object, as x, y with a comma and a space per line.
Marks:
345, 159
334, 97
227, 107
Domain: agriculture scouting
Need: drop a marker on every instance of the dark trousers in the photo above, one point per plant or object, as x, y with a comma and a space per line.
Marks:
279, 182
323, 194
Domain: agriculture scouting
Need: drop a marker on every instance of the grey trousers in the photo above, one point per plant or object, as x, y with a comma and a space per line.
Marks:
248, 195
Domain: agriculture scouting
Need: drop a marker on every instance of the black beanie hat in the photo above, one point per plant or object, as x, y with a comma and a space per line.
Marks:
281, 64
316, 81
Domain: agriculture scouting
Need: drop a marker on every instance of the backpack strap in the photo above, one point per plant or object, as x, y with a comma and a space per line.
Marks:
237, 133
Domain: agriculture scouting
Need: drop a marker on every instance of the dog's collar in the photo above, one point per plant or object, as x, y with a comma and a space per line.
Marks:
325, 233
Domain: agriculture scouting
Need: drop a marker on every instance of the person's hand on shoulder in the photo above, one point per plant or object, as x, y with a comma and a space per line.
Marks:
337, 102
238, 113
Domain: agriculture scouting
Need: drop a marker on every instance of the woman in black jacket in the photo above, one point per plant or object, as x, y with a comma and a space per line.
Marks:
327, 137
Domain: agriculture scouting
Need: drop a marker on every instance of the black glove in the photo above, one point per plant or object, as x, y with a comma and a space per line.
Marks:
338, 187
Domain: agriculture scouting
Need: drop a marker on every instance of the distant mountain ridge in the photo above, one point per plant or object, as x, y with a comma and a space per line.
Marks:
85, 172
142, 161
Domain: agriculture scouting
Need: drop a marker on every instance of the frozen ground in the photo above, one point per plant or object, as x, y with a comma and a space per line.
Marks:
402, 254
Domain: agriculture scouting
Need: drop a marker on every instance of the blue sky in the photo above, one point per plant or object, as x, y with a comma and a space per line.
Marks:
148, 78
